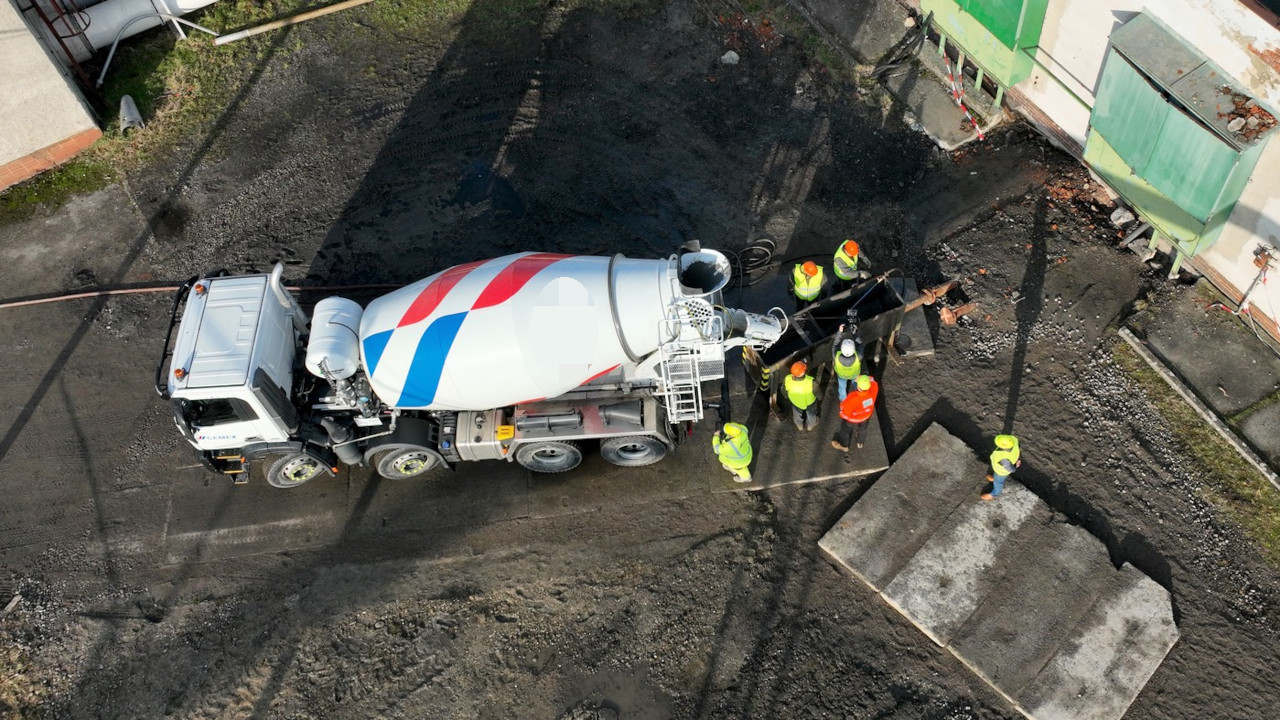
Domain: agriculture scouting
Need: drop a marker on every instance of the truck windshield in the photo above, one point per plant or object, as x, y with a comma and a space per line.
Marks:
206, 413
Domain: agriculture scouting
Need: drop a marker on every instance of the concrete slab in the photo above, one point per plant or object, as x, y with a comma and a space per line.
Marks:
1260, 430
1210, 350
888, 525
1008, 645
914, 338
930, 104
961, 563
864, 28
1109, 657
1032, 605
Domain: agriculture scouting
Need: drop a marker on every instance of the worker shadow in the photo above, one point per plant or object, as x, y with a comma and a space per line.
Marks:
1029, 306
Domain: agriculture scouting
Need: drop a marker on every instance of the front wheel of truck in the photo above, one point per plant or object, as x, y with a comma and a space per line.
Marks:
290, 471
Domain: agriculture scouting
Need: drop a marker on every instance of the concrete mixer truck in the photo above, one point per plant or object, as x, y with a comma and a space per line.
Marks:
522, 358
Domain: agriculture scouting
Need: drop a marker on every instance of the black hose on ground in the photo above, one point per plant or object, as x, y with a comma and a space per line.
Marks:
904, 50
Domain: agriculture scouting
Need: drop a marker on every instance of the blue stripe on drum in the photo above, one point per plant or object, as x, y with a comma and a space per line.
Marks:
373, 346
428, 361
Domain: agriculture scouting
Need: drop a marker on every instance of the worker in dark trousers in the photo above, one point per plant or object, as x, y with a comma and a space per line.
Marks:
1006, 458
801, 391
845, 264
806, 283
855, 412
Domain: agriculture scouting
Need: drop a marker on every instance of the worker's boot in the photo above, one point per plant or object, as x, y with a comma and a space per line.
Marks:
836, 444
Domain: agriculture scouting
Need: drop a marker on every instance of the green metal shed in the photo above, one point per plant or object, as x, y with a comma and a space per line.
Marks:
1173, 134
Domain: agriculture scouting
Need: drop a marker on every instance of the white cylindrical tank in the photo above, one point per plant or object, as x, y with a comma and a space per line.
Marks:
335, 339
105, 20
521, 327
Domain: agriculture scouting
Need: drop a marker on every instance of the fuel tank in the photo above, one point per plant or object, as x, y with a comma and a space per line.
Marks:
523, 327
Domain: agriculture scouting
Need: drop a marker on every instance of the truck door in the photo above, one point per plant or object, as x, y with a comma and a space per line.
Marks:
218, 423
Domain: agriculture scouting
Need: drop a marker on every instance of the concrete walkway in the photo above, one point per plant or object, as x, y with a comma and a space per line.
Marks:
1216, 356
1030, 604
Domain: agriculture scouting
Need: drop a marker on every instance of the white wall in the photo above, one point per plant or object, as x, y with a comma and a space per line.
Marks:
1073, 43
38, 105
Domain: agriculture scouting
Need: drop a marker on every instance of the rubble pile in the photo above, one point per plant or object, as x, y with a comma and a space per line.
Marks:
1244, 116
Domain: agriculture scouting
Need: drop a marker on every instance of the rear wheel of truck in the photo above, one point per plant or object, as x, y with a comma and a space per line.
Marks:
633, 450
549, 456
405, 462
290, 471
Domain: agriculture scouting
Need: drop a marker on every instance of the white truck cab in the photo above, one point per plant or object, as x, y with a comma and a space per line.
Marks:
232, 363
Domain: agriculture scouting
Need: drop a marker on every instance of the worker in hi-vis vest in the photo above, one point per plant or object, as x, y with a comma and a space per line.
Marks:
801, 390
845, 263
855, 413
1004, 460
806, 283
847, 363
734, 451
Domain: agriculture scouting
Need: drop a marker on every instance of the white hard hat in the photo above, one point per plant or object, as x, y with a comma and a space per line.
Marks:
847, 348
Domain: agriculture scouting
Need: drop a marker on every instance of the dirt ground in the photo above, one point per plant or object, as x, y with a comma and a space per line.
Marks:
151, 589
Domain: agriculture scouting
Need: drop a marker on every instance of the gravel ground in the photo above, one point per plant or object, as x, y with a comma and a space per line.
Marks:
361, 158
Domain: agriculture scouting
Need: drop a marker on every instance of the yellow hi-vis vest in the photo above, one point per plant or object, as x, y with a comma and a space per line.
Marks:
844, 267
733, 451
846, 371
805, 287
1001, 455
800, 392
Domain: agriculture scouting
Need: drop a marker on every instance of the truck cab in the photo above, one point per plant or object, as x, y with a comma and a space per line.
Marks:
231, 366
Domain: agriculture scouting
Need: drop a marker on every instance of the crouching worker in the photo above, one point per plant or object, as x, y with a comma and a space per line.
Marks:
734, 451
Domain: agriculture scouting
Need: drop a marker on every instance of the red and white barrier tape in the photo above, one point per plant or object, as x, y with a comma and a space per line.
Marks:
957, 94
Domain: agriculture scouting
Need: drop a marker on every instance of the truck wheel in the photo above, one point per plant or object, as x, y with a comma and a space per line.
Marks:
549, 456
633, 450
290, 471
405, 462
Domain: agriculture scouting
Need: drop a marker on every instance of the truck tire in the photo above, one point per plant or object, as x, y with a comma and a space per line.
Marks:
633, 450
290, 471
549, 456
405, 461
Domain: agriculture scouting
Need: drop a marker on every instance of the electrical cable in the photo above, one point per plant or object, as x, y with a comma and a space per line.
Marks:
747, 265
904, 50
110, 292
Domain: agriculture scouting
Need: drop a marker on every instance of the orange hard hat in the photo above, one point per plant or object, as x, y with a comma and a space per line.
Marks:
798, 368
809, 268
850, 248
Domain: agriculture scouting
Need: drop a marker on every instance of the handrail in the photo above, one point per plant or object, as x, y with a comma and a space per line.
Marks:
1027, 51
102, 75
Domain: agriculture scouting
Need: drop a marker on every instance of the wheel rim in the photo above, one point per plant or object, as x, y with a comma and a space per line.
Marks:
634, 451
298, 471
411, 463
551, 457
